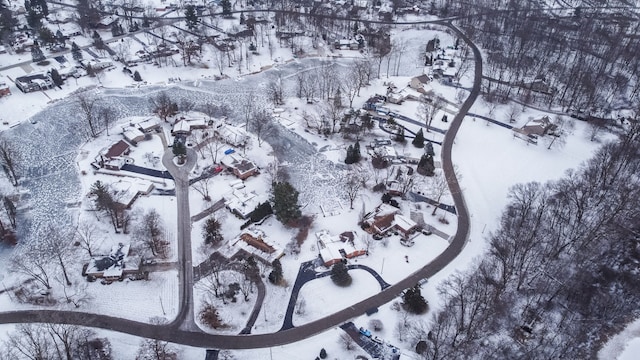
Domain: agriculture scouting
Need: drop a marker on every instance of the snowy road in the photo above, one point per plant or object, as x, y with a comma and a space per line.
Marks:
52, 182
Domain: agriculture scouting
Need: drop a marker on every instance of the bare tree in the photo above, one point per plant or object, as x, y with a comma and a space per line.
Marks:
347, 341
163, 106
58, 244
564, 128
30, 341
154, 349
212, 146
202, 187
275, 90
439, 187
262, 125
10, 209
150, 232
88, 109
353, 186
428, 109
87, 237
34, 262
8, 160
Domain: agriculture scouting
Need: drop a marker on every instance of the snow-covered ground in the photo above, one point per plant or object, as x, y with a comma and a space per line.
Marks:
488, 158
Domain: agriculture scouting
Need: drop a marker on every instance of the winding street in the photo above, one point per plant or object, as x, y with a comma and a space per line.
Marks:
181, 329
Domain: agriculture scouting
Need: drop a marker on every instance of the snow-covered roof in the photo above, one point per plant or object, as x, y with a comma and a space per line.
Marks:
125, 191
232, 134
333, 249
181, 126
148, 124
386, 151
133, 135
113, 264
404, 223
256, 243
243, 203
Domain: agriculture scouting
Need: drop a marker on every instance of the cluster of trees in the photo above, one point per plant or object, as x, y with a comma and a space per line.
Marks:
95, 117
560, 272
583, 61
353, 153
54, 342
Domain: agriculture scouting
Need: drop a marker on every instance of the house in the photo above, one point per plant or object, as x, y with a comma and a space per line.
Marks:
97, 64
4, 89
133, 135
346, 44
386, 152
388, 218
34, 82
232, 135
537, 127
115, 265
373, 102
149, 125
118, 149
539, 85
334, 249
256, 243
404, 225
181, 128
241, 167
126, 192
242, 203
380, 142
106, 22
113, 158
419, 83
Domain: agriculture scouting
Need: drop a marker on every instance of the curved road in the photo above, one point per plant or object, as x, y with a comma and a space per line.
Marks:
173, 332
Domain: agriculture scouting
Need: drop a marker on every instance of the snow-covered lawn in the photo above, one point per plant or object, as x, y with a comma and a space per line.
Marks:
137, 300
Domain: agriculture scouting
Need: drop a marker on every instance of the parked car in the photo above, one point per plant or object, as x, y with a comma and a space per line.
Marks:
407, 242
365, 332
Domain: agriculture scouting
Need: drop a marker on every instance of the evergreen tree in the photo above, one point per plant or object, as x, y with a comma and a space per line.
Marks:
418, 141
276, 276
428, 149
340, 274
211, 231
191, 17
226, 7
7, 21
60, 38
97, 40
400, 136
356, 152
136, 76
323, 352
56, 78
349, 158
76, 52
285, 202
414, 301
36, 53
46, 36
179, 148
426, 166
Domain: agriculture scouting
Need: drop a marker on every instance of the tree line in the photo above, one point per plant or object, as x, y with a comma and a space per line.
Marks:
559, 275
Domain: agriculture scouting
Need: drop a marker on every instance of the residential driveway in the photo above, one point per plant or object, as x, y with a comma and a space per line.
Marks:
377, 350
